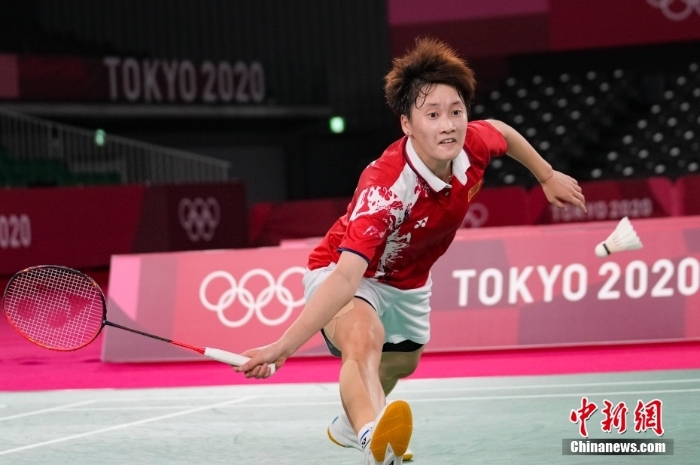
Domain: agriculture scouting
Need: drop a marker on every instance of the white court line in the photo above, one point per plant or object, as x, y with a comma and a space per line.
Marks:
542, 386
127, 409
52, 409
269, 404
439, 399
451, 399
125, 425
399, 391
409, 391
539, 396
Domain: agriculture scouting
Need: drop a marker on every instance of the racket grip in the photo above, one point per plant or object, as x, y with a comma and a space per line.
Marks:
230, 358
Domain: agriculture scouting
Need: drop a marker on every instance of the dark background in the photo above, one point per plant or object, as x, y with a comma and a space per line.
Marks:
330, 55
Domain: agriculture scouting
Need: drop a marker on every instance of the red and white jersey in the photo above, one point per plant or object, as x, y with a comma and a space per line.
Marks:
402, 217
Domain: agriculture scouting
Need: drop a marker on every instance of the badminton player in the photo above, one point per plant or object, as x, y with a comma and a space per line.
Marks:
368, 285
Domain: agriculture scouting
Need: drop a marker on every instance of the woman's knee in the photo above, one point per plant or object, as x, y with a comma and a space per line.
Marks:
359, 332
363, 340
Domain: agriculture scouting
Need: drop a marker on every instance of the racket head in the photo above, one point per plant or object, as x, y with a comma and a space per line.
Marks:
55, 307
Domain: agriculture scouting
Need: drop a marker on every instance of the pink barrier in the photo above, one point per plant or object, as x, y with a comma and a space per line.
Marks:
502, 287
611, 200
476, 36
543, 285
423, 11
228, 299
482, 28
82, 227
270, 222
502, 206
688, 189
601, 23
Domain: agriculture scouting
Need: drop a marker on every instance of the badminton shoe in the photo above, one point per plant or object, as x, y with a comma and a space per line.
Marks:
342, 434
391, 434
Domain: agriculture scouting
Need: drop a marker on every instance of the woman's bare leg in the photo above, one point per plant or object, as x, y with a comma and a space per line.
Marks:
359, 335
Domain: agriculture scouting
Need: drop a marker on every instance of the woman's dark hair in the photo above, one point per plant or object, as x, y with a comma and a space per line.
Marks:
429, 63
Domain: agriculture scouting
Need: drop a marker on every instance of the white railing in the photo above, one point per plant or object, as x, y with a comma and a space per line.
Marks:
30, 141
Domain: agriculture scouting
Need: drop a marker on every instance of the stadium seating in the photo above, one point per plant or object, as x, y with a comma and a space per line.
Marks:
16, 172
598, 125
594, 125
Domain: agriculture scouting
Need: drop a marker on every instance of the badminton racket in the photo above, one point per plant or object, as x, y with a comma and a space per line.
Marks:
64, 309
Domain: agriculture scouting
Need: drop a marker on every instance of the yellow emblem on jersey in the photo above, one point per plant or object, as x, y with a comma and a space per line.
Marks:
474, 190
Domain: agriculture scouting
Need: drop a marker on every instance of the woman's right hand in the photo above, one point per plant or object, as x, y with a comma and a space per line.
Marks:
260, 358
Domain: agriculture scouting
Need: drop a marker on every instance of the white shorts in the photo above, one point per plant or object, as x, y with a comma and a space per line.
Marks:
405, 314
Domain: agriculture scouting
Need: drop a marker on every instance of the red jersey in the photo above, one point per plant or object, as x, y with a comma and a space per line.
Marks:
402, 217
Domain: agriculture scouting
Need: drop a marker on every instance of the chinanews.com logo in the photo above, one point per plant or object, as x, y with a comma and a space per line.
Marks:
646, 416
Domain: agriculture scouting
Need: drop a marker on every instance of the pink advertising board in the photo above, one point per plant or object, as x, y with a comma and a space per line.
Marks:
688, 188
423, 11
486, 28
499, 206
505, 287
576, 24
611, 200
543, 286
271, 223
227, 299
82, 227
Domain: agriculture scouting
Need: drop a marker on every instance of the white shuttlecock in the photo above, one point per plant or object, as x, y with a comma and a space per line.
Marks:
624, 237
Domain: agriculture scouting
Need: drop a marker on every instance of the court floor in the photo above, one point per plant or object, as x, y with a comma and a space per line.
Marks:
496, 420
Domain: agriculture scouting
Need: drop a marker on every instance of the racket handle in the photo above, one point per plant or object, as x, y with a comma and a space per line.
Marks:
230, 358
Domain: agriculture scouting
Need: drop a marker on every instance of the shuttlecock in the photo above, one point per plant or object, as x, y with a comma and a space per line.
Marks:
624, 237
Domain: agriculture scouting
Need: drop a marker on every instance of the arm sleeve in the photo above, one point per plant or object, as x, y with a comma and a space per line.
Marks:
377, 212
485, 141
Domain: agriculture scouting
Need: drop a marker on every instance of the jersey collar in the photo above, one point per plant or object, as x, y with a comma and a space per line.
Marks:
459, 168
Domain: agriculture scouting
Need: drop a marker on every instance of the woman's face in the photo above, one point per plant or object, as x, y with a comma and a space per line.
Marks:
438, 127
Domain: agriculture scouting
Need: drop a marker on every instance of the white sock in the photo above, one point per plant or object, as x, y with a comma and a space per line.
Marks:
365, 434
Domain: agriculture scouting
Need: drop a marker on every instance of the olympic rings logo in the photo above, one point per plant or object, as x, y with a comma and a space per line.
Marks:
253, 305
476, 216
676, 14
199, 217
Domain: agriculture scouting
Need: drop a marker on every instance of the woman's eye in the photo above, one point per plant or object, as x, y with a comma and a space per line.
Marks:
432, 115
457, 112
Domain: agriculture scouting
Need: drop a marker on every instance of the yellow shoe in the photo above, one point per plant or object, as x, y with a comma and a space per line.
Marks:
341, 433
391, 433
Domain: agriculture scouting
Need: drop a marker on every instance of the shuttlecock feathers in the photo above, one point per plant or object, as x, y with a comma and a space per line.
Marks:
624, 237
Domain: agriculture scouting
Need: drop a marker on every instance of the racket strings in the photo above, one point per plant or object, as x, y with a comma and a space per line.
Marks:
55, 308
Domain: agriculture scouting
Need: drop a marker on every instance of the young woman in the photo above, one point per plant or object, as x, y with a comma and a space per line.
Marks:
368, 285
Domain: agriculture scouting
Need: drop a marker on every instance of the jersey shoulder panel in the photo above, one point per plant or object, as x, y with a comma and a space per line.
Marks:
484, 141
386, 169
